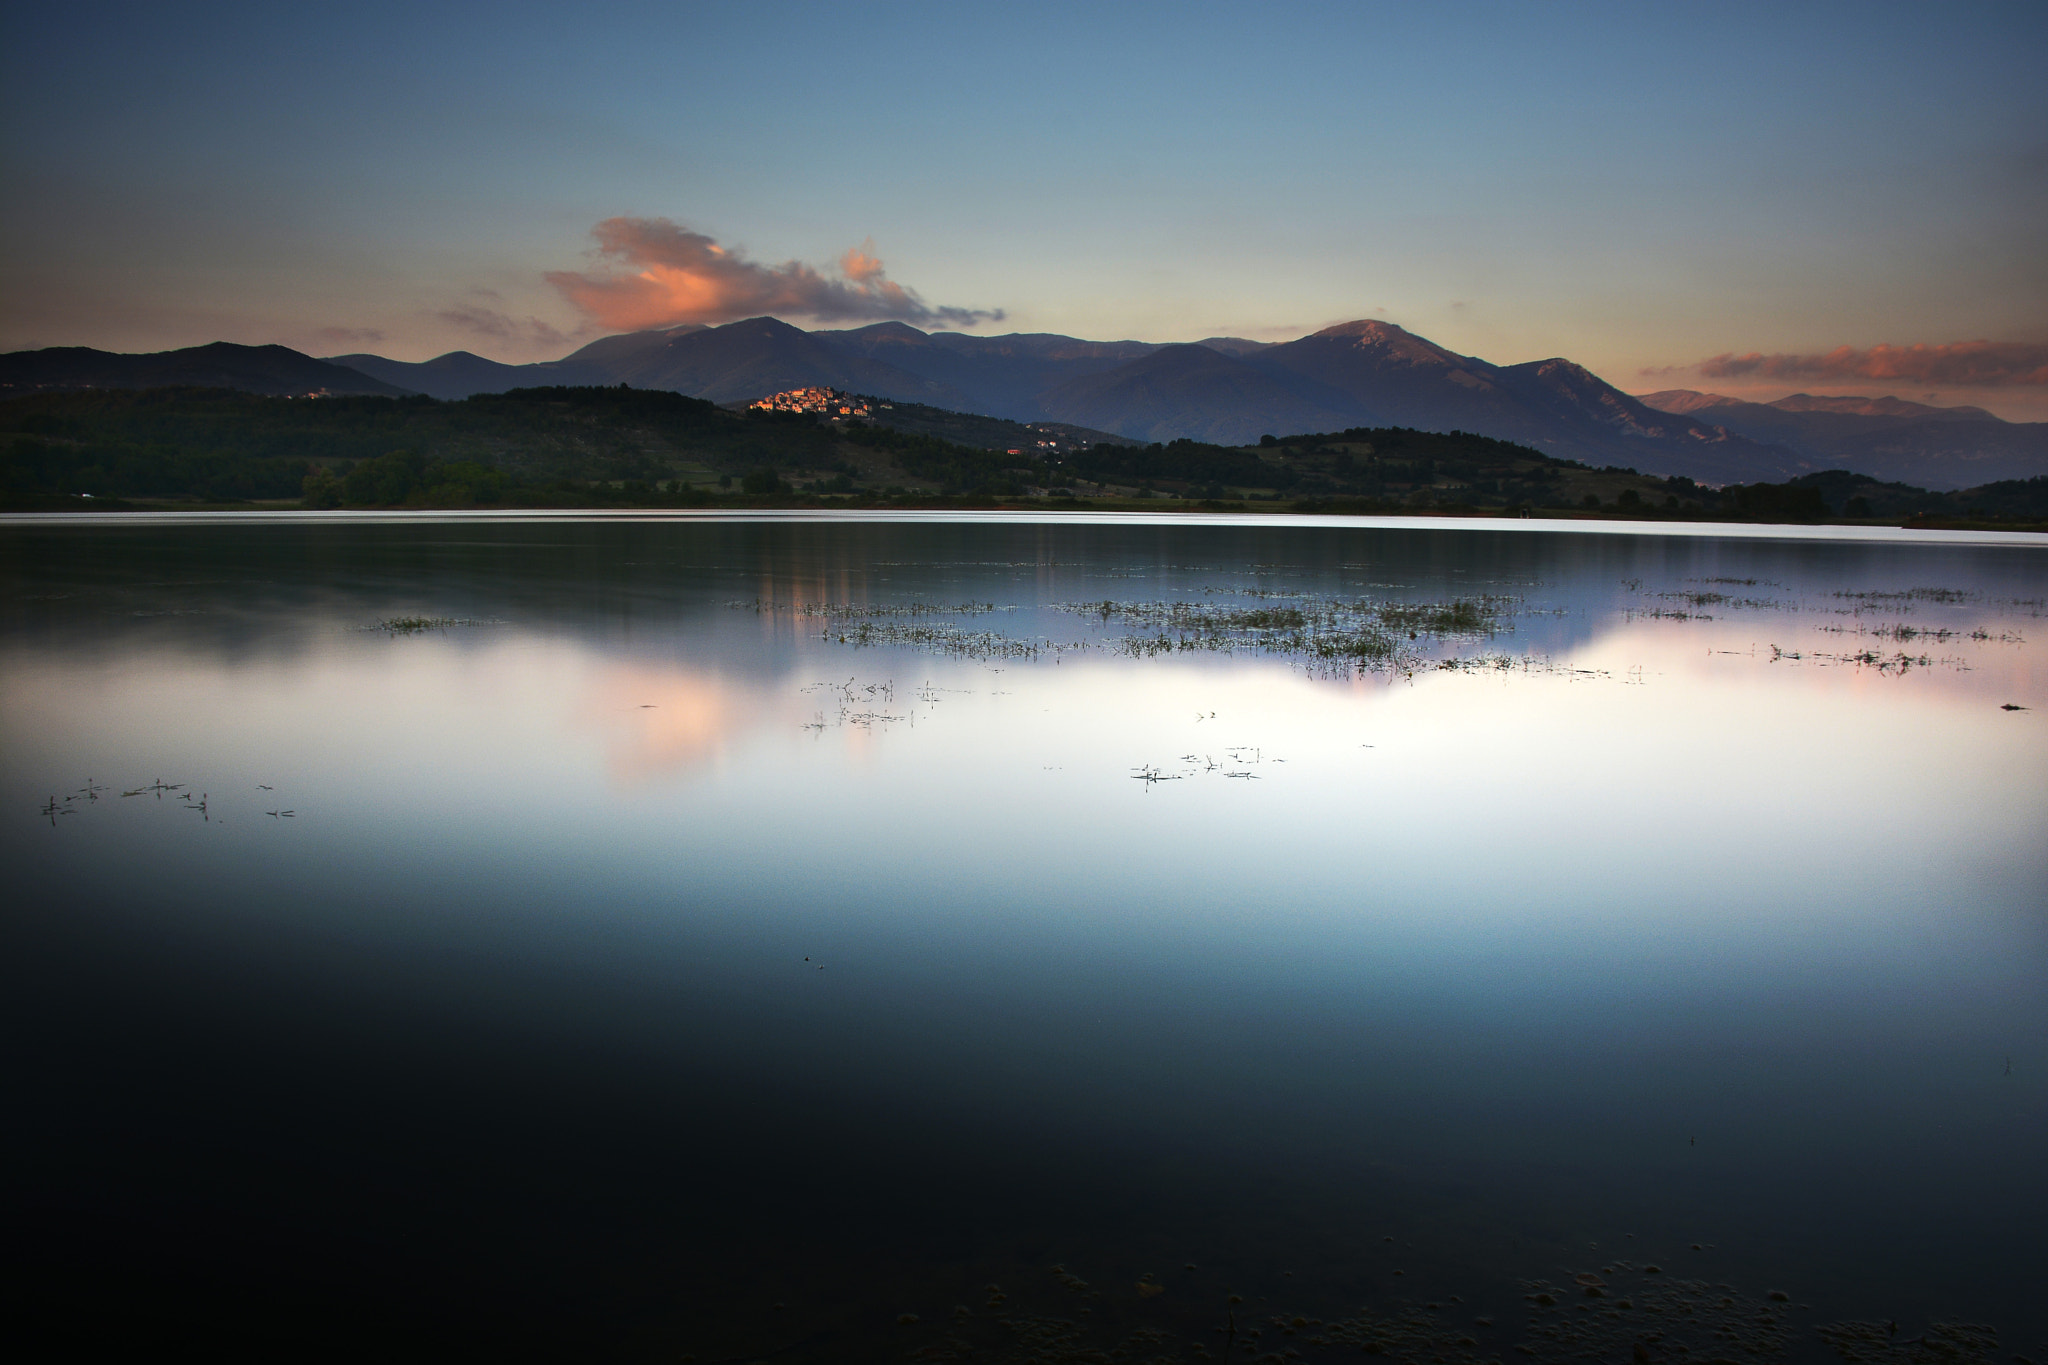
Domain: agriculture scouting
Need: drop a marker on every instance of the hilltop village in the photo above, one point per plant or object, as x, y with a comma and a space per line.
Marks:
1049, 440
832, 404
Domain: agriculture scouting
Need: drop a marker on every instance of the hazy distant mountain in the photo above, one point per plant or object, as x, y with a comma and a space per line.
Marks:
459, 374
1691, 400
1194, 392
1606, 426
1684, 401
1233, 345
1886, 438
1883, 407
221, 365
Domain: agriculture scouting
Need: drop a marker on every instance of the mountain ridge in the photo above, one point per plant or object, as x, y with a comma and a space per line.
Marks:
1692, 400
1151, 399
1364, 373
274, 370
458, 374
1891, 439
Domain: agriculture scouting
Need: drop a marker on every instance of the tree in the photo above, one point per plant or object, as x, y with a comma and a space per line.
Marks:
321, 490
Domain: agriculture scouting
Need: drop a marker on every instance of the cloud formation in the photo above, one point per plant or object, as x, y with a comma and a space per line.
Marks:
503, 326
345, 336
1961, 365
660, 274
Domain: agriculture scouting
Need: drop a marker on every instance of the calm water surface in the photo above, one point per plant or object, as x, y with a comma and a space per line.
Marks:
721, 938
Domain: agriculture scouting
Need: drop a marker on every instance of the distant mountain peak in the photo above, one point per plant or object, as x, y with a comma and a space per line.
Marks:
1887, 406
1234, 345
762, 325
1371, 334
1557, 364
891, 328
1684, 401
1365, 327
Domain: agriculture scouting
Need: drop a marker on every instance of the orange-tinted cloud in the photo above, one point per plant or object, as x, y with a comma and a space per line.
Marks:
663, 275
860, 264
1959, 365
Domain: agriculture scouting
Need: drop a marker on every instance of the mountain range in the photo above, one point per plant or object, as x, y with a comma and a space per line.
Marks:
276, 370
1892, 439
1226, 390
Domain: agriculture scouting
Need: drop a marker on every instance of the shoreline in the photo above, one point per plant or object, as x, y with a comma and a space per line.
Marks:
1917, 532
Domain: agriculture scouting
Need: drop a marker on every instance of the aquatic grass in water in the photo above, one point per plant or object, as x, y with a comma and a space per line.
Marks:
947, 641
1353, 633
1363, 633
1464, 616
413, 625
910, 625
1946, 596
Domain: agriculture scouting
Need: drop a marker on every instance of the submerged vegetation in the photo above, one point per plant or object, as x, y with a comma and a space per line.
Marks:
912, 625
181, 796
413, 625
1342, 635
936, 638
1363, 633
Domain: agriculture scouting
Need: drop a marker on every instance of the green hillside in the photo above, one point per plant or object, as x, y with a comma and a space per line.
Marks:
575, 447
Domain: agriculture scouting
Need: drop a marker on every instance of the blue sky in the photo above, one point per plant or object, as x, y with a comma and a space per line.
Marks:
1638, 187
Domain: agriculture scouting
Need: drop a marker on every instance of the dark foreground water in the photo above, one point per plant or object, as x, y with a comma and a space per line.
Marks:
722, 940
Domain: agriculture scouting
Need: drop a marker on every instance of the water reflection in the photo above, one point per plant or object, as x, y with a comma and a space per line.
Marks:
654, 944
659, 721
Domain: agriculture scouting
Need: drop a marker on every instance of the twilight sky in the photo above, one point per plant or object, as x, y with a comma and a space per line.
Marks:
1836, 198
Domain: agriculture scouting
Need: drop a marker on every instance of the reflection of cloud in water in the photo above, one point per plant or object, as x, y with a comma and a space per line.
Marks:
660, 720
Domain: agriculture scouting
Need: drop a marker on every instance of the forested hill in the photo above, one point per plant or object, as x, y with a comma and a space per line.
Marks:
571, 447
216, 444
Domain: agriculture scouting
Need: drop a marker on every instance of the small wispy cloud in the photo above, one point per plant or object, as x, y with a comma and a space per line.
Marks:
348, 336
660, 274
489, 322
1959, 365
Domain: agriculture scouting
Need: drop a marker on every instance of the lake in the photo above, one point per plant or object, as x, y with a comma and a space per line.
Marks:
1002, 938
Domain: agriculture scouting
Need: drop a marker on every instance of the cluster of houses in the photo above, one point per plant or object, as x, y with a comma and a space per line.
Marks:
836, 405
829, 403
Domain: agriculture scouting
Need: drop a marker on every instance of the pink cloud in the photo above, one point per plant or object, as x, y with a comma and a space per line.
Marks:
662, 275
1961, 364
